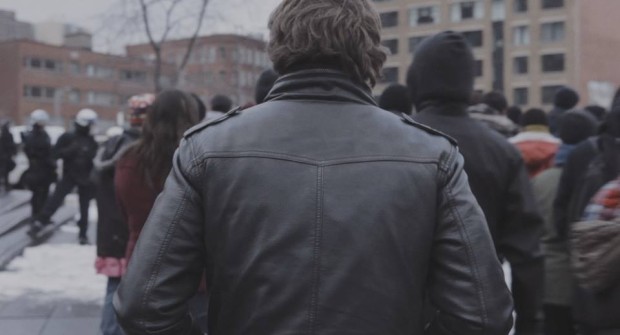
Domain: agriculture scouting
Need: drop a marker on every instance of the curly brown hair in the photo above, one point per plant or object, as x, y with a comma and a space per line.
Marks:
344, 32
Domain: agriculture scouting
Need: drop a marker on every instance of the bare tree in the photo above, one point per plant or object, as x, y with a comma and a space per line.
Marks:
170, 24
157, 22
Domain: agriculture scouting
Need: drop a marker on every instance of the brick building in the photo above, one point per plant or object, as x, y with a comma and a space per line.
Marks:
220, 64
63, 80
525, 48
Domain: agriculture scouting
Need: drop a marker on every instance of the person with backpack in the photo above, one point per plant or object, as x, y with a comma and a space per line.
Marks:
595, 249
576, 127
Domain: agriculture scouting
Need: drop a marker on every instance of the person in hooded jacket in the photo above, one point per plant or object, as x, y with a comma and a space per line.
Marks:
41, 172
396, 99
77, 149
220, 104
537, 145
441, 79
492, 112
564, 100
8, 150
558, 296
112, 230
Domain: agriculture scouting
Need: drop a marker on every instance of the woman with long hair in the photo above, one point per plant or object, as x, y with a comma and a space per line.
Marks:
142, 171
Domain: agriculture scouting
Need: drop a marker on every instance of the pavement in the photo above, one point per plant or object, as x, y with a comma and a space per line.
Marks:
52, 289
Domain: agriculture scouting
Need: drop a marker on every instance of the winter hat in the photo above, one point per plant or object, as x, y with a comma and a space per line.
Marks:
442, 70
221, 103
495, 100
566, 98
534, 117
577, 126
139, 106
264, 84
515, 114
396, 98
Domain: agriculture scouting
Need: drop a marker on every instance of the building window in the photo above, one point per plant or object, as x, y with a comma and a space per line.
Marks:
521, 96
101, 99
423, 15
392, 45
498, 10
520, 6
390, 75
552, 63
75, 68
467, 10
43, 64
478, 68
474, 38
135, 76
100, 72
521, 35
39, 92
222, 53
223, 76
552, 32
548, 93
549, 4
414, 42
389, 19
521, 65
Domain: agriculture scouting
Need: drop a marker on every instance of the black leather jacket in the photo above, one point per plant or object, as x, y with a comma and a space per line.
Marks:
316, 213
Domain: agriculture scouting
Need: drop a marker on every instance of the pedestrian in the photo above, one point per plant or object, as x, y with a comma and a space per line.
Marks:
317, 212
112, 230
441, 77
220, 104
535, 142
558, 296
144, 165
564, 100
77, 149
396, 99
8, 150
202, 108
265, 83
41, 172
492, 112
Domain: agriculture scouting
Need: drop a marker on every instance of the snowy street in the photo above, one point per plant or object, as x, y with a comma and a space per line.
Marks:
52, 289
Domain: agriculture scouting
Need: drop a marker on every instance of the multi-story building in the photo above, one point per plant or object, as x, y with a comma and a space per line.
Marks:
63, 34
525, 48
219, 64
63, 80
11, 29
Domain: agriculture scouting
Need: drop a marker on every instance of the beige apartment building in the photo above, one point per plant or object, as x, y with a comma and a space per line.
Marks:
525, 48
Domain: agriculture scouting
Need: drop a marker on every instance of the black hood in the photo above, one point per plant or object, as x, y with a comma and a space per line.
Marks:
442, 70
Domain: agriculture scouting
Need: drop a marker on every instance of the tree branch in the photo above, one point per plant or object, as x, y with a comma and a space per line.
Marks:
192, 41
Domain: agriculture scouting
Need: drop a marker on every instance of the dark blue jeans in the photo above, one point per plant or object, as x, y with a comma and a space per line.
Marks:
109, 324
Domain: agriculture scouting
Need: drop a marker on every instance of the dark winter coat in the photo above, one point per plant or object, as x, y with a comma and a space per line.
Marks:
500, 182
77, 149
555, 120
41, 165
337, 221
112, 231
8, 150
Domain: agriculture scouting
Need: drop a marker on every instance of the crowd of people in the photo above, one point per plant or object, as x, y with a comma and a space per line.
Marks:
320, 209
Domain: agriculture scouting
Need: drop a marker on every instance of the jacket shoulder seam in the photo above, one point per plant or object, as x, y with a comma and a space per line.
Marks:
206, 124
408, 120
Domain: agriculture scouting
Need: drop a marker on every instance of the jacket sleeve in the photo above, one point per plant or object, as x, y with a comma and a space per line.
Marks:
520, 232
166, 267
64, 148
466, 281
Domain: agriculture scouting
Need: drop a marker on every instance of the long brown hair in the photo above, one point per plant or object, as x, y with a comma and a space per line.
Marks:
172, 113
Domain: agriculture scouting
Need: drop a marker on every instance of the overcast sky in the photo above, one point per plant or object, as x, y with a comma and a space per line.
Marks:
241, 16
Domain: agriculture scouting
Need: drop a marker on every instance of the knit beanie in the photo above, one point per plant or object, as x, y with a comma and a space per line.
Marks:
442, 70
577, 126
534, 117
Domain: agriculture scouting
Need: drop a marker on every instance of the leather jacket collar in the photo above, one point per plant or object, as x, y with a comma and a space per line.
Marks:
320, 84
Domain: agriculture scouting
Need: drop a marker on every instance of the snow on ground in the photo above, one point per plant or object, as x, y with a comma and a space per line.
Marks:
56, 271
